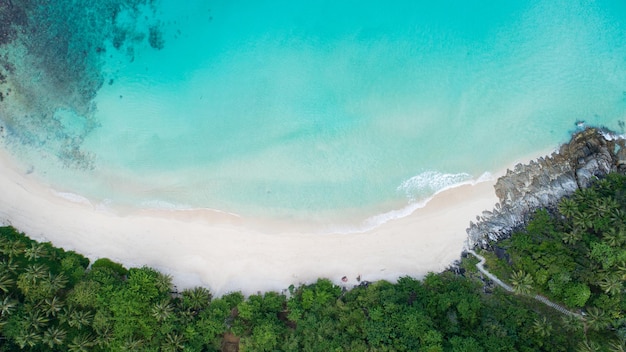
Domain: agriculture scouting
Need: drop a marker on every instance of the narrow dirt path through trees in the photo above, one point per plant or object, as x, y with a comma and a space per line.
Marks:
480, 266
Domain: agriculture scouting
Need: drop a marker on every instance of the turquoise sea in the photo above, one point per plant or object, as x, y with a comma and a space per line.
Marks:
308, 111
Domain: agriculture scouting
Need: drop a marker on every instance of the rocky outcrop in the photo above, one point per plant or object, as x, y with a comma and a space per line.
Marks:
590, 154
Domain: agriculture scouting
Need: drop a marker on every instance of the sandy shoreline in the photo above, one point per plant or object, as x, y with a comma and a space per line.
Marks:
227, 254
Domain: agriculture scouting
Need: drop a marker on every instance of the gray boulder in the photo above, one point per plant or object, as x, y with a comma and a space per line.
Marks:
589, 155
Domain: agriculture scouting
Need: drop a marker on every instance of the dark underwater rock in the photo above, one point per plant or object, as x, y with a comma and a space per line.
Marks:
52, 55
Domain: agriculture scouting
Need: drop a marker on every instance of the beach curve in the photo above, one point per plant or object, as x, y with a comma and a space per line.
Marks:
226, 253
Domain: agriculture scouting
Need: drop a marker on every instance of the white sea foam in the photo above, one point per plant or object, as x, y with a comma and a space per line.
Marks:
430, 180
72, 197
164, 205
612, 136
487, 176
105, 206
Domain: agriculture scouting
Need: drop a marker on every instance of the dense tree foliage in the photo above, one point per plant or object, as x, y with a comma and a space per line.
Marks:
52, 300
576, 254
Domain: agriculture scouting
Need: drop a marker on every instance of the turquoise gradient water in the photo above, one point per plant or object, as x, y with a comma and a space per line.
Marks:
320, 109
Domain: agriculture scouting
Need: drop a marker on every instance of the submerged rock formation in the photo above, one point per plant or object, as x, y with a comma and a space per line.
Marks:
589, 155
52, 64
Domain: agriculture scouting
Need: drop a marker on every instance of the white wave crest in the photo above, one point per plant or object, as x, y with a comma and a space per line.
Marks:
169, 206
430, 182
72, 197
164, 205
435, 181
612, 136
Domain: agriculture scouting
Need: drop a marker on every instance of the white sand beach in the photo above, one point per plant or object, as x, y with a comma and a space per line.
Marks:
225, 253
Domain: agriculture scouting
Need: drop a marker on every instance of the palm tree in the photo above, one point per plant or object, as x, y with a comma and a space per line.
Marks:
15, 249
599, 207
588, 346
133, 344
79, 318
491, 327
615, 236
620, 270
81, 343
35, 251
35, 272
65, 314
572, 323
4, 245
196, 298
162, 310
35, 320
582, 221
522, 282
186, 316
571, 237
567, 207
618, 217
596, 319
164, 283
74, 318
27, 338
8, 266
105, 336
7, 305
57, 282
52, 255
53, 306
611, 204
542, 327
53, 336
617, 346
585, 195
174, 342
6, 283
611, 284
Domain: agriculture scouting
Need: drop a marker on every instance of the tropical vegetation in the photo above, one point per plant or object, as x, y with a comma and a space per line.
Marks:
54, 300
576, 255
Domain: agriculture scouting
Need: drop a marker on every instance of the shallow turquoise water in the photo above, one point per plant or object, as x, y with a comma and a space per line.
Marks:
310, 111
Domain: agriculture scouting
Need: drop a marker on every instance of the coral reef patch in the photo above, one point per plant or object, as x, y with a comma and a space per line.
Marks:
51, 55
